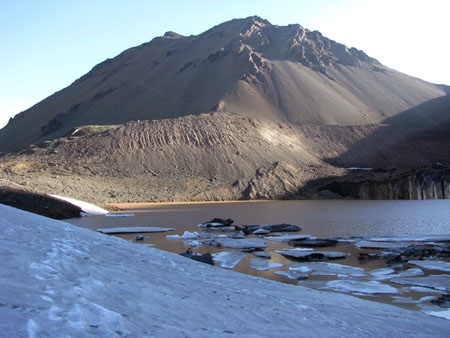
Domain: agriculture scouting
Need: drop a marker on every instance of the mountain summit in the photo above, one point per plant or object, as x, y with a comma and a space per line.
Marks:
245, 66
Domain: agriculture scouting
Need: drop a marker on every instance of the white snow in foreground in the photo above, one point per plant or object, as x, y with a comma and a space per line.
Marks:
58, 280
88, 209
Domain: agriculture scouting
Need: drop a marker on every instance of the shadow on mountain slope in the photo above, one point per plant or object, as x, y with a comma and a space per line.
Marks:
407, 157
417, 137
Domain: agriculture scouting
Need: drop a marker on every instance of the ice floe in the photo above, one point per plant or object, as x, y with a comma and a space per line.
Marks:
130, 230
438, 282
296, 275
262, 264
246, 243
286, 238
382, 245
185, 235
262, 254
228, 259
307, 253
378, 275
328, 269
371, 287
432, 265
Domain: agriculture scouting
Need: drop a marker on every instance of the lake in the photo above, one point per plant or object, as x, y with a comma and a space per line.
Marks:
323, 219
334, 218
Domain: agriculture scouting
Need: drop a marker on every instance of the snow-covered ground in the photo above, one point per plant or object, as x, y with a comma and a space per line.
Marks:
58, 280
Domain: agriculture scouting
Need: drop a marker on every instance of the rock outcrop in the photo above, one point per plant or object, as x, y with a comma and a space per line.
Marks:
416, 184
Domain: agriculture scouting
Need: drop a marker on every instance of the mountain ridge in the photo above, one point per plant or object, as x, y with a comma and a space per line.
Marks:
247, 66
245, 110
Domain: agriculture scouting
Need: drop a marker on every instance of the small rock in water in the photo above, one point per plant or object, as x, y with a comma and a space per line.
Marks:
204, 258
443, 301
141, 238
313, 242
217, 223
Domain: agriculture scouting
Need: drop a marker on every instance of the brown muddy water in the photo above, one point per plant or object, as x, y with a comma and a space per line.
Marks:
323, 219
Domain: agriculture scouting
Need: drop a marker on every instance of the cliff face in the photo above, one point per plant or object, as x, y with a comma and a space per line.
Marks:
417, 184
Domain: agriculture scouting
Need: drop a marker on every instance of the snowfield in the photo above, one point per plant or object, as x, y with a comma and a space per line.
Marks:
58, 280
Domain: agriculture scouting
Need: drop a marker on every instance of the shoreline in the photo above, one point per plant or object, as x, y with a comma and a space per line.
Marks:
143, 205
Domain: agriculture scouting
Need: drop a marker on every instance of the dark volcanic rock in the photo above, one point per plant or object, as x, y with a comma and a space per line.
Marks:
313, 242
203, 258
38, 203
310, 255
412, 184
249, 229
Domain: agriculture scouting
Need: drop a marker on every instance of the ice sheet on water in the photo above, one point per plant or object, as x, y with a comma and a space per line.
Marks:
305, 253
406, 273
247, 243
185, 235
119, 215
382, 272
372, 287
382, 244
228, 259
261, 254
432, 265
329, 268
261, 264
438, 282
126, 230
287, 238
412, 238
443, 314
292, 274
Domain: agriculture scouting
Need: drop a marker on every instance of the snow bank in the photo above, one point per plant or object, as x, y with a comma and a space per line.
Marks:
87, 208
60, 280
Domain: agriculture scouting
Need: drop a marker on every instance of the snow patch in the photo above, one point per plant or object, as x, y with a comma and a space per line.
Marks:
88, 209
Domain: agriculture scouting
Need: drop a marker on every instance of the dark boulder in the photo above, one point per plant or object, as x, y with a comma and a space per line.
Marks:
250, 229
313, 242
203, 258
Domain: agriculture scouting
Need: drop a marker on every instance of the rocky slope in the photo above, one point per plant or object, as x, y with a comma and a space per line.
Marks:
216, 156
245, 110
246, 66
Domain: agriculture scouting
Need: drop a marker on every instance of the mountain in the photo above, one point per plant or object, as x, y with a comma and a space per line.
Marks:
246, 66
245, 110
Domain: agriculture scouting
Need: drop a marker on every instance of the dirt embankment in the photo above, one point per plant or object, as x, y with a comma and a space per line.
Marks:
216, 156
37, 203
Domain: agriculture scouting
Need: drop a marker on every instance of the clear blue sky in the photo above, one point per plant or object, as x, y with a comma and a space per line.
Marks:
47, 44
